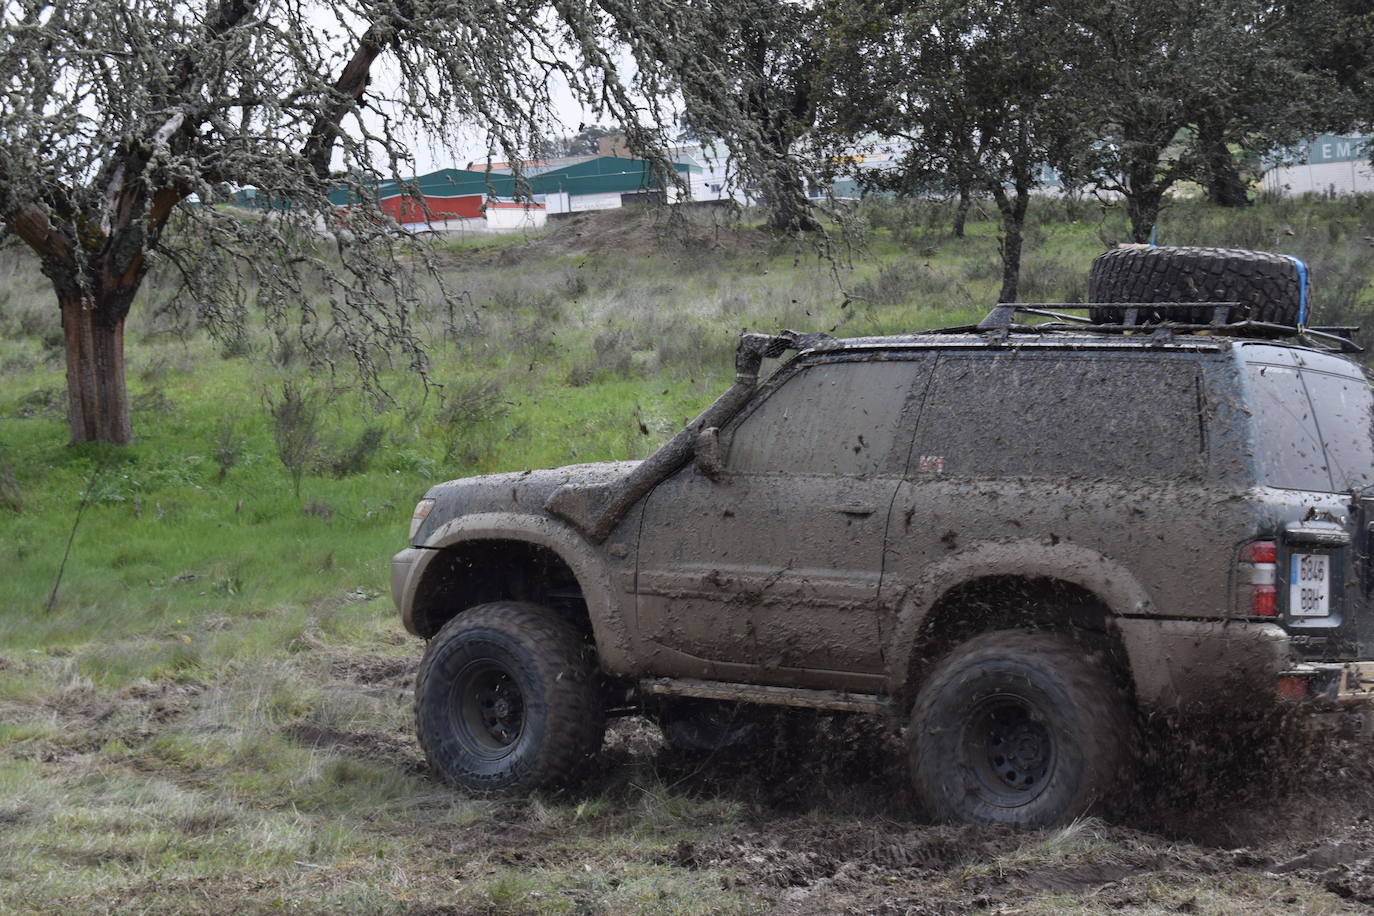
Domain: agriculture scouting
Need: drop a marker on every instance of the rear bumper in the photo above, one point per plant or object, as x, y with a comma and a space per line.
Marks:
1189, 664
1345, 683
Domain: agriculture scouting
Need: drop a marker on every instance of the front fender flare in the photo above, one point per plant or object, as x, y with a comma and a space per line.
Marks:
608, 625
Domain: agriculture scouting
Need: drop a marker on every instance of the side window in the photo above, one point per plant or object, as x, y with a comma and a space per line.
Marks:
840, 418
1048, 415
1288, 441
1345, 417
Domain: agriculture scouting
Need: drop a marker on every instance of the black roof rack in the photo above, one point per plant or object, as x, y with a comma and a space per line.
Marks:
1145, 317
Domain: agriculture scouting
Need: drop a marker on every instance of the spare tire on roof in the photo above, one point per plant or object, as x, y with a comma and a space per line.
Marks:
1270, 287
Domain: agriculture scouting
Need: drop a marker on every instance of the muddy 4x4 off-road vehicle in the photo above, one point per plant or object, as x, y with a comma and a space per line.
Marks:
1012, 538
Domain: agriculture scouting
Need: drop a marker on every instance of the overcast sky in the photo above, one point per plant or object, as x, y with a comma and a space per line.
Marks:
432, 152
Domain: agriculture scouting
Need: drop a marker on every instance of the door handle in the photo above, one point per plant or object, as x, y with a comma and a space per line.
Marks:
853, 509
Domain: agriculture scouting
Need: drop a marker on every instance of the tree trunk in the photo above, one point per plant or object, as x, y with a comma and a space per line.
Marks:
961, 210
1221, 177
789, 210
1013, 210
98, 402
1142, 206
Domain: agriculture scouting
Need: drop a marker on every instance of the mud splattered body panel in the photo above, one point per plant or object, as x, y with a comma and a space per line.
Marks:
876, 496
774, 569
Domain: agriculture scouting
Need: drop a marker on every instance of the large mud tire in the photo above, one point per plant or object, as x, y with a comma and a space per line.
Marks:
506, 700
1019, 729
1270, 287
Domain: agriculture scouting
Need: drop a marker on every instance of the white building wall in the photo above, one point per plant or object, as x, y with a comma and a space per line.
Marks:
580, 202
1330, 164
557, 202
710, 179
515, 219
447, 226
1322, 178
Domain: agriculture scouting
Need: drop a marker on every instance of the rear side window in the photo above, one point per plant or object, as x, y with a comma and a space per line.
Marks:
1289, 445
1314, 430
829, 418
1056, 415
1345, 418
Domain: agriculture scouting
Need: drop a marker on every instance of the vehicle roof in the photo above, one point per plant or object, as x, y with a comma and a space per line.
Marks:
1061, 340
1049, 340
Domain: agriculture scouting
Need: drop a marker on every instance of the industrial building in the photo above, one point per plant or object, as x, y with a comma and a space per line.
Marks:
457, 200
1332, 164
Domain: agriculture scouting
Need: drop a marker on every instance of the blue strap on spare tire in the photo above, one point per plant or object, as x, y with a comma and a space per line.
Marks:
1302, 288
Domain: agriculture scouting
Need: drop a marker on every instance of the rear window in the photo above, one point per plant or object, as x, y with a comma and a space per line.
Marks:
1315, 429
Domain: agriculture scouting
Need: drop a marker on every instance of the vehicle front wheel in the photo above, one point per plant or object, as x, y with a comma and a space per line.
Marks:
506, 700
1020, 729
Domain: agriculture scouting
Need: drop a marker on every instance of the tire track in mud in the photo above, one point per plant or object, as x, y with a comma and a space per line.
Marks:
940, 870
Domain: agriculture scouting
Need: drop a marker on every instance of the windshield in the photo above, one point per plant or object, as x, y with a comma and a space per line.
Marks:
1315, 429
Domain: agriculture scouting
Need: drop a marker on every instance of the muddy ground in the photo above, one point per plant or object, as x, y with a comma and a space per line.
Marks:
1278, 820
814, 818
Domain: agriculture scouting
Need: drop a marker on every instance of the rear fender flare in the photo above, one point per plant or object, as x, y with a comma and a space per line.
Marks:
1111, 582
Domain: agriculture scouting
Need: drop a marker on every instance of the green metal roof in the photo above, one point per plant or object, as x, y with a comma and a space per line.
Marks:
604, 175
443, 183
454, 183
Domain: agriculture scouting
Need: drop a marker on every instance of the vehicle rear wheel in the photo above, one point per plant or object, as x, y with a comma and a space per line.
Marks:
506, 700
1017, 728
1270, 287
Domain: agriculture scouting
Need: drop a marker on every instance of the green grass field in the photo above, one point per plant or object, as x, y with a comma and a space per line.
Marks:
211, 713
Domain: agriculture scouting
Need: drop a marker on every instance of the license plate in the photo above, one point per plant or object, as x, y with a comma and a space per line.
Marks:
1309, 585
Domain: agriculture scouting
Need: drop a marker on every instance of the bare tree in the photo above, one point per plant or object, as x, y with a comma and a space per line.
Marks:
124, 119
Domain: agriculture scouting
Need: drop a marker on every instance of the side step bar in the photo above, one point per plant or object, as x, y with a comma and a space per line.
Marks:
757, 693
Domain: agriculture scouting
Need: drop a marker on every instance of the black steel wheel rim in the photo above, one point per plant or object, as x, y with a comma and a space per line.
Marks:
488, 709
1009, 750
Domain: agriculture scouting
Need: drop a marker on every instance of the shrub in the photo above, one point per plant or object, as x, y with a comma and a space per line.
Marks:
48, 403
226, 448
154, 400
318, 508
469, 405
295, 429
891, 286
11, 497
353, 459
1051, 281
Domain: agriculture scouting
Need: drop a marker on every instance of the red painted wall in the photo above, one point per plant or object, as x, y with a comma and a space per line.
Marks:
409, 210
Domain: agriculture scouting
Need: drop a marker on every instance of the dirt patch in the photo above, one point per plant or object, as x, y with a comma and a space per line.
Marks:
800, 853
387, 749
89, 719
810, 819
375, 670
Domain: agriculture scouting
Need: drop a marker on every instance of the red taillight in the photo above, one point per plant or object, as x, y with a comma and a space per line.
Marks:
1292, 687
1256, 575
1263, 602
